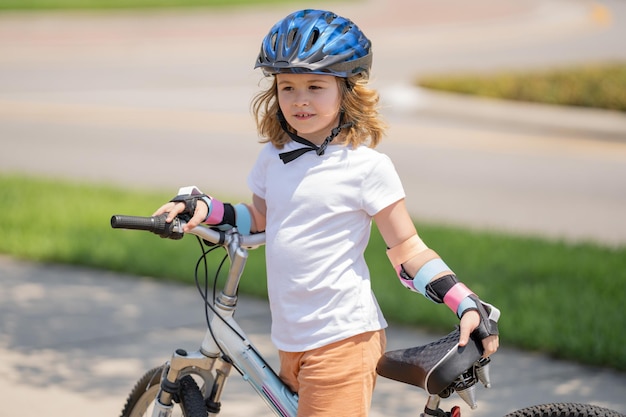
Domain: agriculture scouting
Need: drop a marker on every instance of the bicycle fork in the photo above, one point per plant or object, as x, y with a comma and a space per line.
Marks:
184, 363
210, 363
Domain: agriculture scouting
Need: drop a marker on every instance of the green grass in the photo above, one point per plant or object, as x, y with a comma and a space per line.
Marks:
598, 86
563, 299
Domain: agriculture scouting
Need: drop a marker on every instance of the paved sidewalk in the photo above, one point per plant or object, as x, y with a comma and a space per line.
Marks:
73, 341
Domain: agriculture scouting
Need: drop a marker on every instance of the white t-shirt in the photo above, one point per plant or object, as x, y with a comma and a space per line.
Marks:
319, 211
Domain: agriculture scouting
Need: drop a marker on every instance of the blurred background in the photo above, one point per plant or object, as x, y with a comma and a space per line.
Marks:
128, 95
506, 117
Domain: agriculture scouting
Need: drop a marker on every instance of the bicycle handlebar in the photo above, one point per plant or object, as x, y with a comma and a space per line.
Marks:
174, 230
154, 224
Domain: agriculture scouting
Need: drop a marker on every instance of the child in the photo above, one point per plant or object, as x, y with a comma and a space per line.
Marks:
317, 184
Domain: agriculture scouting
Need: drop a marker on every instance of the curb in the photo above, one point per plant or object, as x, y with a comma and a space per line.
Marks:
565, 120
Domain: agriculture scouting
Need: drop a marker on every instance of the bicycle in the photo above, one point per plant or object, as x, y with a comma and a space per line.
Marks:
192, 383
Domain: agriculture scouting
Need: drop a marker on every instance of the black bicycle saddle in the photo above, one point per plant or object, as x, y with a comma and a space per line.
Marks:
432, 367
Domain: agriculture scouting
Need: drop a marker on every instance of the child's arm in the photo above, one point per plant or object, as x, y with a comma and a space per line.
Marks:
248, 218
421, 270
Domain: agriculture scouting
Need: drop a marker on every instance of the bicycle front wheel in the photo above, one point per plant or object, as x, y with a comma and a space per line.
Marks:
141, 399
565, 410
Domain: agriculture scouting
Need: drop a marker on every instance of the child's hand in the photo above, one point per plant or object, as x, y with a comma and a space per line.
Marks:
171, 209
469, 322
174, 209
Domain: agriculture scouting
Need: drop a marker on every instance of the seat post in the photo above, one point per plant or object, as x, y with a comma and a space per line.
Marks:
432, 405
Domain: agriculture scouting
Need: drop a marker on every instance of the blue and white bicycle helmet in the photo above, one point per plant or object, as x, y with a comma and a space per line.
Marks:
316, 42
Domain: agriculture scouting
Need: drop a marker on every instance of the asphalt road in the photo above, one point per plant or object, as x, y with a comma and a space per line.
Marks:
160, 99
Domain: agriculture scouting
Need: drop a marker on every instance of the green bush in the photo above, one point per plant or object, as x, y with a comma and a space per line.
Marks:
599, 86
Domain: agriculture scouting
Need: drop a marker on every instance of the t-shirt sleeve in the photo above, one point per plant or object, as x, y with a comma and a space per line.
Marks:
382, 186
258, 175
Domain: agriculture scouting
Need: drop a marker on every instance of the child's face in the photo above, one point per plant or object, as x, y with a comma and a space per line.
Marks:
310, 103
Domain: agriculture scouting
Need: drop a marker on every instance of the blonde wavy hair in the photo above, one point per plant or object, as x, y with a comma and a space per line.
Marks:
358, 101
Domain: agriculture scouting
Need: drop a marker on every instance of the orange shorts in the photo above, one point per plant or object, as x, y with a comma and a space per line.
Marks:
336, 380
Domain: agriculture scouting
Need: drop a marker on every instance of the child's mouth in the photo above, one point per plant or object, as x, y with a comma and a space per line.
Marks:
303, 116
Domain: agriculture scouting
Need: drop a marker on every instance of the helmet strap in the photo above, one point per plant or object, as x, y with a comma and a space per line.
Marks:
309, 146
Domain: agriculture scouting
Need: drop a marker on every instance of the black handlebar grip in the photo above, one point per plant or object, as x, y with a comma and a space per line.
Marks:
154, 224
133, 222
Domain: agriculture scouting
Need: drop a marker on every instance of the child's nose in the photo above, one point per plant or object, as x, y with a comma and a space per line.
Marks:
301, 98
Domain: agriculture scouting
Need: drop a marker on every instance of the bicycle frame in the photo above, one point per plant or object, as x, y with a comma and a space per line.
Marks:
225, 344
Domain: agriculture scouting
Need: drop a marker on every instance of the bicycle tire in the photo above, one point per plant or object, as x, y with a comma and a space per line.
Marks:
565, 410
146, 389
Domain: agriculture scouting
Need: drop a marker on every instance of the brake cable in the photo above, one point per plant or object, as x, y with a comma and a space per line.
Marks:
204, 294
